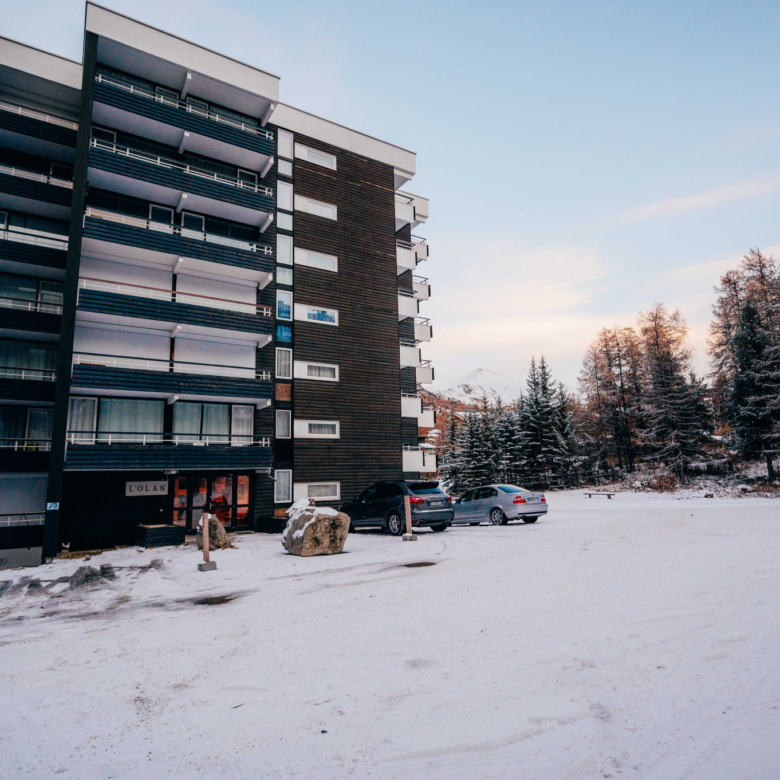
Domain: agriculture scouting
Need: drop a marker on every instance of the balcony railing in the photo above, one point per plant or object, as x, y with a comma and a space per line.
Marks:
175, 165
43, 178
37, 306
420, 279
177, 230
161, 294
22, 519
157, 364
34, 238
406, 293
168, 439
37, 374
167, 100
26, 445
33, 114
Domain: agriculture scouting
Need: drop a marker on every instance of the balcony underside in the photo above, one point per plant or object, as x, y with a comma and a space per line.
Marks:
108, 380
111, 240
166, 124
132, 311
36, 137
32, 197
26, 390
23, 461
153, 457
177, 189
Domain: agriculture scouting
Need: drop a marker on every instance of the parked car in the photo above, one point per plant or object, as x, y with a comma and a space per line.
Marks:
499, 504
383, 504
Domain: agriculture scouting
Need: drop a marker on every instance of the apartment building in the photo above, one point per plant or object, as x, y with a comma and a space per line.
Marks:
209, 299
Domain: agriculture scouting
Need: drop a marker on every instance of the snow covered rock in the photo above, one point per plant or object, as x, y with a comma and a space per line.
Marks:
217, 536
314, 530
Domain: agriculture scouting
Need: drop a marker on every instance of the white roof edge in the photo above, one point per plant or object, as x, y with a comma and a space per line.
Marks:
299, 121
172, 48
37, 62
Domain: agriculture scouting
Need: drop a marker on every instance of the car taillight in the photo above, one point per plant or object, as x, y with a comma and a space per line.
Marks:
448, 499
416, 500
518, 500
544, 500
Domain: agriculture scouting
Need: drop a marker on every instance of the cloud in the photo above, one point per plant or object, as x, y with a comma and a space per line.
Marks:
719, 196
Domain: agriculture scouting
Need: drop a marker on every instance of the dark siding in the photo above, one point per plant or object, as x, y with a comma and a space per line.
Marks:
367, 399
36, 128
18, 252
35, 190
33, 321
26, 390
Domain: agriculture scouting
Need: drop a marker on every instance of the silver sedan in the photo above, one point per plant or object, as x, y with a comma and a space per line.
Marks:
499, 504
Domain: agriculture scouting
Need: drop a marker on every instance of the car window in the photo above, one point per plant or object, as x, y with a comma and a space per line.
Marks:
482, 493
512, 489
490, 492
370, 494
469, 496
386, 490
395, 490
424, 487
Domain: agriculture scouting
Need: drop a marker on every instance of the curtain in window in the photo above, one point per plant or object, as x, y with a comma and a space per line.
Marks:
130, 420
243, 425
81, 420
283, 363
283, 486
186, 421
39, 424
283, 423
12, 420
19, 288
23, 356
216, 423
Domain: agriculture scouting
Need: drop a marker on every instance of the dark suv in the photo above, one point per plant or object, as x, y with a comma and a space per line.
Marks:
383, 504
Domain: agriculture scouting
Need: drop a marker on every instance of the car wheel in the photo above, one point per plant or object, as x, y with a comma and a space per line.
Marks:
530, 519
440, 527
395, 524
497, 517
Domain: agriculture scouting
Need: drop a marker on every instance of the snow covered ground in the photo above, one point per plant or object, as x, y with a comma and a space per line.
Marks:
633, 638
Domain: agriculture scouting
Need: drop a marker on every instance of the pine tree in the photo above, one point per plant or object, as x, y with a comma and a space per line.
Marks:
537, 422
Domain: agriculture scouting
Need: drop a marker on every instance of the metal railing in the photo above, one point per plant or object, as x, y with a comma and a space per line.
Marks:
168, 439
173, 296
34, 238
43, 178
422, 321
414, 344
37, 306
403, 199
26, 445
167, 100
177, 230
21, 519
39, 374
406, 293
420, 279
159, 364
410, 395
404, 244
33, 114
175, 165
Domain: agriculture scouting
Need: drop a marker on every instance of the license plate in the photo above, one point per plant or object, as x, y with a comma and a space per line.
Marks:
436, 503
533, 500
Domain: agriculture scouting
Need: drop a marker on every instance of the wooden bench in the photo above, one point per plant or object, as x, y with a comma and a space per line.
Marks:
606, 495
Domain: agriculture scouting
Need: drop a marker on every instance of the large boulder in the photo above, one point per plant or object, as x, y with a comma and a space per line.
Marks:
217, 536
314, 530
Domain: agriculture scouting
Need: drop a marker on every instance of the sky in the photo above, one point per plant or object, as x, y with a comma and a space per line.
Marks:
583, 160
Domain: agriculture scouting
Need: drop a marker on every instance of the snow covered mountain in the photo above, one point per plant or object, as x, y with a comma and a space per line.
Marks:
471, 387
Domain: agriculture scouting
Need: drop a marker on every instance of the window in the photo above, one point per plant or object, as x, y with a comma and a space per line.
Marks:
284, 195
283, 305
282, 486
388, 490
167, 95
39, 424
61, 171
283, 424
161, 214
247, 177
12, 423
109, 136
319, 491
27, 359
316, 260
283, 363
195, 222
511, 489
285, 168
285, 147
316, 314
197, 106
201, 422
284, 276
130, 420
242, 425
284, 333
284, 221
315, 207
323, 372
82, 416
284, 249
313, 156
316, 429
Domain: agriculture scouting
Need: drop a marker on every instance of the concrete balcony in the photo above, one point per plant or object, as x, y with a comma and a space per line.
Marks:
406, 259
422, 329
411, 406
425, 374
35, 193
419, 460
184, 125
407, 305
410, 356
37, 132
420, 246
410, 210
21, 248
178, 185
422, 290
427, 418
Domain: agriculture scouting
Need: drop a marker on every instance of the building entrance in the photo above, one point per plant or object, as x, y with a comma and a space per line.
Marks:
225, 495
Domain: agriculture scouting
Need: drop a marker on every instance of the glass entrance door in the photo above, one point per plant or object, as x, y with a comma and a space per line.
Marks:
226, 496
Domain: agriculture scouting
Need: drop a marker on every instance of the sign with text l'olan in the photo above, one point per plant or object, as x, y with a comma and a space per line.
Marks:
147, 488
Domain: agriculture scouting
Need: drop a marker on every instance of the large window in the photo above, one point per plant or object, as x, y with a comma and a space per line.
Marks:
285, 148
283, 424
27, 359
82, 420
284, 363
22, 292
32, 426
130, 420
283, 305
284, 195
282, 486
315, 207
201, 422
316, 157
284, 249
316, 260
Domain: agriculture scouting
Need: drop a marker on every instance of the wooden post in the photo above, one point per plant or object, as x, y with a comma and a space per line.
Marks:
207, 565
408, 536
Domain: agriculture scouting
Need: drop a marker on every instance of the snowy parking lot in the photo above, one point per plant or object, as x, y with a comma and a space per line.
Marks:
633, 638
